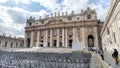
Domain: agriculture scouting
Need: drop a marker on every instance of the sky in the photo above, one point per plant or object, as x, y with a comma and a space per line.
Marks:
14, 13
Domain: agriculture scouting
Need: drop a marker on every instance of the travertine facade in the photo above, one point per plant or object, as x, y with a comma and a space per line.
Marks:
61, 30
111, 29
11, 42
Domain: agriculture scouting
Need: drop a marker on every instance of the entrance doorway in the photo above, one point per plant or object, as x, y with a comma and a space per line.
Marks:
48, 44
90, 42
60, 44
28, 42
54, 43
70, 43
41, 45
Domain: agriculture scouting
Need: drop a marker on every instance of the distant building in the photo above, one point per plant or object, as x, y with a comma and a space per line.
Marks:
111, 29
60, 30
11, 42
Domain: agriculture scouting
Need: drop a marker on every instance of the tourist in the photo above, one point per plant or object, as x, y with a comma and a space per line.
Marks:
115, 56
101, 54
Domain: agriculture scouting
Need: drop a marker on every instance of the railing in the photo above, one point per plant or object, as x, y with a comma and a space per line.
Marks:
99, 62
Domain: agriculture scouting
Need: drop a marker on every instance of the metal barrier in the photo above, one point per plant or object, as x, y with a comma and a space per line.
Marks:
99, 62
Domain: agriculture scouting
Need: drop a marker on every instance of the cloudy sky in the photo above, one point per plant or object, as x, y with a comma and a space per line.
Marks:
13, 13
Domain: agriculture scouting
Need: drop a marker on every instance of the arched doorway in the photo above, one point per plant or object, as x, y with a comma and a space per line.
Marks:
90, 41
28, 42
55, 43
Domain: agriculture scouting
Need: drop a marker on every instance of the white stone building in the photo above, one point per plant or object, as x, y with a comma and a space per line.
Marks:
111, 29
60, 30
11, 42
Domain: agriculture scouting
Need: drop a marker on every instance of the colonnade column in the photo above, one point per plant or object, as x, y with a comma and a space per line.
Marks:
51, 44
63, 38
58, 36
31, 39
38, 36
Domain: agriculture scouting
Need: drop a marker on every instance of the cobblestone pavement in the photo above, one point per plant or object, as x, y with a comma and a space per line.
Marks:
109, 59
92, 63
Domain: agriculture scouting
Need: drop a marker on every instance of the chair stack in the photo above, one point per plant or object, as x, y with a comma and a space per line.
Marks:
44, 60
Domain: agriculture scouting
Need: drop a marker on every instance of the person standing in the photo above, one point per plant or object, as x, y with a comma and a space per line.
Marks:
115, 56
101, 54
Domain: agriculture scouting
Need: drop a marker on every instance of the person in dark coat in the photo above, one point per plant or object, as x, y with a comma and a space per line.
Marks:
115, 56
101, 53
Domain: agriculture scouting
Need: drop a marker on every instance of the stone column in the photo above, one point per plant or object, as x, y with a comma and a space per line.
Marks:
31, 39
46, 39
96, 38
66, 44
25, 40
38, 36
63, 38
58, 35
51, 43
74, 34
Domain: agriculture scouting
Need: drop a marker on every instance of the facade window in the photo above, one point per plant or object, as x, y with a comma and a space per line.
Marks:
114, 37
69, 18
88, 16
11, 44
89, 29
30, 24
5, 44
108, 31
0, 42
70, 31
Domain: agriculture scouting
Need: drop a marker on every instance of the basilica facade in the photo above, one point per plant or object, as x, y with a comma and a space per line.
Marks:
61, 30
